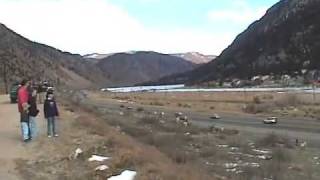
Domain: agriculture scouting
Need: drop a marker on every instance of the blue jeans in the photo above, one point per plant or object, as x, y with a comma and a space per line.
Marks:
24, 119
51, 126
25, 130
33, 127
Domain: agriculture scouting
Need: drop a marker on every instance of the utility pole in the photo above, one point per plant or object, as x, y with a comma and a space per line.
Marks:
314, 92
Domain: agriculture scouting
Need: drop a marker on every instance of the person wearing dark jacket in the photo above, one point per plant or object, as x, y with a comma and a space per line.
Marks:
50, 113
33, 112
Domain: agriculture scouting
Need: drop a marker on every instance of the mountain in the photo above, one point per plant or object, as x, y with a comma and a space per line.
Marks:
22, 58
286, 40
195, 57
126, 69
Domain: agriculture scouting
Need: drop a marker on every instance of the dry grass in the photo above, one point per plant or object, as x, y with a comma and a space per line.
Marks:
273, 140
157, 103
146, 160
179, 151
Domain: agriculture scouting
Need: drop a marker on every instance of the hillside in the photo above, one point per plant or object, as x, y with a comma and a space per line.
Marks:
21, 57
125, 69
284, 41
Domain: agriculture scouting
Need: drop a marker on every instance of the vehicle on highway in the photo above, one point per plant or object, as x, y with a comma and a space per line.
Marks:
270, 120
14, 93
215, 116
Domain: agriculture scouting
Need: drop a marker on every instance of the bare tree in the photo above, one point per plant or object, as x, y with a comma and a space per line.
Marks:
5, 58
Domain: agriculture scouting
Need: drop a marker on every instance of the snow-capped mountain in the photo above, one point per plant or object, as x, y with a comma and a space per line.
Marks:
195, 57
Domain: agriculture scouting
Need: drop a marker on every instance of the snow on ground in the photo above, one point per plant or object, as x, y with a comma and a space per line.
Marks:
98, 158
125, 175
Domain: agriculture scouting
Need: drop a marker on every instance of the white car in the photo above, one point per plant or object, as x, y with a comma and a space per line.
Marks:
270, 120
215, 116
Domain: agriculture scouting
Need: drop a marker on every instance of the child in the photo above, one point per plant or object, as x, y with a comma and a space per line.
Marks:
50, 113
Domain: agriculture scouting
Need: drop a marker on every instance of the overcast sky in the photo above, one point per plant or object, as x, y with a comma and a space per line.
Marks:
105, 26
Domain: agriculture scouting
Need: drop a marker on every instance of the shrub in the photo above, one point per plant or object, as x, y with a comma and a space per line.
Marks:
267, 96
256, 100
149, 120
156, 103
272, 140
140, 109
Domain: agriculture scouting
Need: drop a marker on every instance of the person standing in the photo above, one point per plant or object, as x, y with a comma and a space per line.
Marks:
50, 113
23, 106
33, 112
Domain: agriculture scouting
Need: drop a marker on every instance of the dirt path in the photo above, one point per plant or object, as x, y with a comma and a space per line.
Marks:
12, 147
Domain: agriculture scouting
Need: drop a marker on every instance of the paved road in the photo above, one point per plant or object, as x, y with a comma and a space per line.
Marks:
294, 128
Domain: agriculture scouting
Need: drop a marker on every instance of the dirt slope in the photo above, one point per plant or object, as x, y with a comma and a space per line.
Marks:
12, 147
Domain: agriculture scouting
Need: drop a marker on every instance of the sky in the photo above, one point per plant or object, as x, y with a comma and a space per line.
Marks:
108, 26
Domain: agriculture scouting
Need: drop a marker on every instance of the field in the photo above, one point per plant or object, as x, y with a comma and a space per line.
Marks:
222, 149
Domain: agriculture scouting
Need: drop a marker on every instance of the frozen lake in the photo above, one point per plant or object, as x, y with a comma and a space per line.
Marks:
183, 88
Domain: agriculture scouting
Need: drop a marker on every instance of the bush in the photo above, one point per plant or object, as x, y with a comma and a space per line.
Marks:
140, 109
267, 96
156, 103
272, 140
149, 120
256, 100
281, 155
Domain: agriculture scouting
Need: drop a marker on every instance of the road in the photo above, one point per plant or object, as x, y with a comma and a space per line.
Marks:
303, 129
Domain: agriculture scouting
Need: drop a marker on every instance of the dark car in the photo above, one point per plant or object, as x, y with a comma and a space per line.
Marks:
14, 93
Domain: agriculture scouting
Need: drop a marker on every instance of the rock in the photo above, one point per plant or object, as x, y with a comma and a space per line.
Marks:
186, 124
78, 152
187, 134
230, 165
178, 114
262, 151
223, 146
265, 157
101, 168
304, 144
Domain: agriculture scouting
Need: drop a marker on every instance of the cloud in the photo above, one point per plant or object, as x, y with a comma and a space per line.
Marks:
239, 12
86, 26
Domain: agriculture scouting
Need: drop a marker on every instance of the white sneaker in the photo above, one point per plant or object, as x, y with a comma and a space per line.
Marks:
49, 136
56, 135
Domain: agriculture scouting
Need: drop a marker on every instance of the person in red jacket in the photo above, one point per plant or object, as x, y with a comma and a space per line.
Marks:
23, 97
